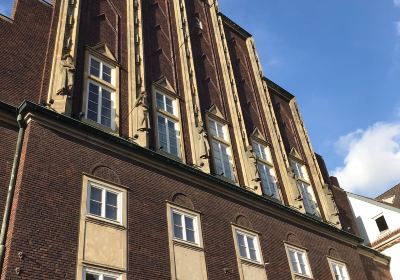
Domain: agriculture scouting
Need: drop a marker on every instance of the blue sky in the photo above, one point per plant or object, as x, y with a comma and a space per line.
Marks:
342, 61
341, 58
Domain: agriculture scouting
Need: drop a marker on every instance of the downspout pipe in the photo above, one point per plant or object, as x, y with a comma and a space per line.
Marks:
11, 190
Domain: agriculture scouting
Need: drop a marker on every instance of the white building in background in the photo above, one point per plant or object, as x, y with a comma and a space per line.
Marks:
378, 222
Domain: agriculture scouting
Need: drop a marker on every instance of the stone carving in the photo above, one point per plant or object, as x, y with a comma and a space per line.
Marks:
67, 76
143, 108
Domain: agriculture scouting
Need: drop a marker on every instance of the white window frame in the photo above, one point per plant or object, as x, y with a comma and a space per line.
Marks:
305, 188
332, 264
222, 141
256, 243
102, 84
173, 117
104, 189
305, 259
196, 226
101, 273
266, 165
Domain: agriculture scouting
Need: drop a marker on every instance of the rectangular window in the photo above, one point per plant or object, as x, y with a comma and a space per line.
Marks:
339, 270
248, 246
168, 125
381, 223
307, 194
266, 170
299, 170
221, 150
101, 93
298, 261
91, 274
185, 227
104, 202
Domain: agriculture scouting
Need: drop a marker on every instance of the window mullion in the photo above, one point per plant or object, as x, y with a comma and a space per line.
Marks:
103, 205
167, 134
100, 99
184, 227
247, 246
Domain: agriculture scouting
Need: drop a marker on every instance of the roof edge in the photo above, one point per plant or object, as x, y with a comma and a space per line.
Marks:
279, 89
229, 22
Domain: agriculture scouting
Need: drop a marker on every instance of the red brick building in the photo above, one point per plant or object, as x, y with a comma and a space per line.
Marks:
141, 140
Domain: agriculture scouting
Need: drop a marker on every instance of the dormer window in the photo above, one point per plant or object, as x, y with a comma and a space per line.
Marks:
101, 92
305, 188
168, 124
266, 170
221, 149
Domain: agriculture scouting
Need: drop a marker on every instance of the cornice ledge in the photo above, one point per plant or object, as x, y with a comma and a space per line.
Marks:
78, 129
373, 254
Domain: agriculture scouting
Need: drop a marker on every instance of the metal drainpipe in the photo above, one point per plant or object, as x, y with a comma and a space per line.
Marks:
11, 189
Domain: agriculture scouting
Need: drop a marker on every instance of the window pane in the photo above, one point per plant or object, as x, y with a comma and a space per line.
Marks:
169, 105
213, 130
220, 131
190, 236
173, 138
111, 206
178, 229
226, 162
106, 73
217, 158
112, 199
93, 101
242, 245
160, 101
189, 222
111, 212
90, 276
96, 194
162, 133
106, 108
293, 261
95, 208
250, 242
95, 67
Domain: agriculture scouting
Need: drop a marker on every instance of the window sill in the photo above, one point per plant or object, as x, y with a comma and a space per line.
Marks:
297, 276
187, 244
251, 262
100, 126
171, 156
104, 222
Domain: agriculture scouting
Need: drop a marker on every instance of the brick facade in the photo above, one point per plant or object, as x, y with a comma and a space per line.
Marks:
58, 150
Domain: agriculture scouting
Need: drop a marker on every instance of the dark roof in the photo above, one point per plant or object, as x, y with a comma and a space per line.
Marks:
283, 92
229, 22
393, 193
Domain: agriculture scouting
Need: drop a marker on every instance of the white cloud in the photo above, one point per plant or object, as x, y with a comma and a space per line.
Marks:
396, 3
372, 161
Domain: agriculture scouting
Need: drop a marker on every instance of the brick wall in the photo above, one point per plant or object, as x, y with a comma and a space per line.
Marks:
26, 54
8, 140
46, 213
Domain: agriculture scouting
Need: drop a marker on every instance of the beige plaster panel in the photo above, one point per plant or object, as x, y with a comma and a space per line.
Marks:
251, 272
189, 264
104, 245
